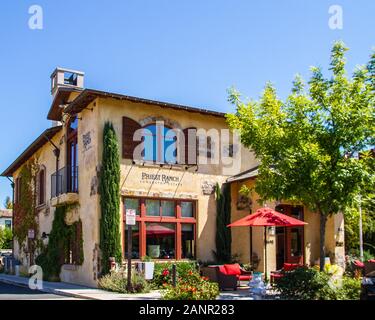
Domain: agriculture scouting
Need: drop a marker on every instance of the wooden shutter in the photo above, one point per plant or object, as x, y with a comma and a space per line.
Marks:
41, 186
190, 145
129, 126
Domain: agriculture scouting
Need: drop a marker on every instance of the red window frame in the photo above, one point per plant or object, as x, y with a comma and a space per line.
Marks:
178, 220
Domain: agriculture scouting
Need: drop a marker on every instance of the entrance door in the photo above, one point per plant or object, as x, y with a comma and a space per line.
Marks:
294, 239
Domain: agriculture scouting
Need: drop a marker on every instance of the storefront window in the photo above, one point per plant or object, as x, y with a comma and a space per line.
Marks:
186, 209
187, 243
135, 242
133, 204
153, 207
160, 233
168, 208
160, 240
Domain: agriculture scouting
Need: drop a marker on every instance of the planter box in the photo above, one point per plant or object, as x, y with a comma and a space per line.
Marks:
147, 268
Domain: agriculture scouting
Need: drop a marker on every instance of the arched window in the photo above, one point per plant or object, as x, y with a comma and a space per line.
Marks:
160, 144
42, 186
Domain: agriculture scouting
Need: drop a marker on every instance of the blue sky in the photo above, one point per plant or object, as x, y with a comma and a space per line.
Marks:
185, 51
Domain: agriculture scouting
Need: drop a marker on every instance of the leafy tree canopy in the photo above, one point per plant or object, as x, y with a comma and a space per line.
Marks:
309, 144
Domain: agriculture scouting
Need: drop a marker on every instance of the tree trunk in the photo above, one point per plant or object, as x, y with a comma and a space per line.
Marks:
323, 221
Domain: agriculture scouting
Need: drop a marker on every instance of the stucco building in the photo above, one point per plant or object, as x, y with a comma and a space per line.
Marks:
171, 192
6, 218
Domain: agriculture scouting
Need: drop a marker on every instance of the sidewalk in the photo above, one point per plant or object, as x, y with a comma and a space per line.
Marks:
78, 291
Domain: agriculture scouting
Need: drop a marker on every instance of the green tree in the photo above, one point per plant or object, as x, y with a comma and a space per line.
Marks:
367, 202
6, 238
110, 240
308, 143
8, 203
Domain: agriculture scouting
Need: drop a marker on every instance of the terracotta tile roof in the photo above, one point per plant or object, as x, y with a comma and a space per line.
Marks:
89, 95
30, 150
5, 213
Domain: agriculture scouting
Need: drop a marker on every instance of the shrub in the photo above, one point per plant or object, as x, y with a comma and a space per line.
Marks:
163, 272
350, 289
6, 238
305, 284
117, 282
192, 287
311, 284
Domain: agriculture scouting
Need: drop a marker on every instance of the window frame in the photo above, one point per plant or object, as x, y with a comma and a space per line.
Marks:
178, 220
41, 186
157, 138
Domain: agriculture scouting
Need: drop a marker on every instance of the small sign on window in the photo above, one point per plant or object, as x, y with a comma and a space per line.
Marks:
130, 217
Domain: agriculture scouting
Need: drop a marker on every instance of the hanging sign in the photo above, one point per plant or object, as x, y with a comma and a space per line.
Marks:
31, 234
130, 217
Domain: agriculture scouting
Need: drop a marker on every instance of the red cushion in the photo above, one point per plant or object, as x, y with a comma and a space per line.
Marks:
222, 269
233, 269
290, 266
359, 264
244, 278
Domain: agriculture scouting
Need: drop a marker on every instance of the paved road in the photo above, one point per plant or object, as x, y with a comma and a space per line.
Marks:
12, 292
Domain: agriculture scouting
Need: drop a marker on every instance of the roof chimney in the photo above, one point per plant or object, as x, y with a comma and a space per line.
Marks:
67, 78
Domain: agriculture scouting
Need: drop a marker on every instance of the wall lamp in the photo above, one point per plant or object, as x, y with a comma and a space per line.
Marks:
45, 235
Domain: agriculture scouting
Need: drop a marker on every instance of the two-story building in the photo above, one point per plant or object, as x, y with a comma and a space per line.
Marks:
169, 184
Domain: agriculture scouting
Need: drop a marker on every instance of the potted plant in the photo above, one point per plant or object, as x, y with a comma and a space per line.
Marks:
147, 267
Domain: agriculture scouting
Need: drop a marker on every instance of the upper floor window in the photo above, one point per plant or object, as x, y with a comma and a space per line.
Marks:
41, 186
159, 144
17, 190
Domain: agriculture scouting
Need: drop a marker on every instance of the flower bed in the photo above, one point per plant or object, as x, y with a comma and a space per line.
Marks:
191, 287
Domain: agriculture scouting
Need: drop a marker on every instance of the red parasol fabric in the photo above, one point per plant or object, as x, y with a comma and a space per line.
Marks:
157, 230
267, 217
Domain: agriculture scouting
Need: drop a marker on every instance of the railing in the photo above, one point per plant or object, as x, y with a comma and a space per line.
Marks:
67, 181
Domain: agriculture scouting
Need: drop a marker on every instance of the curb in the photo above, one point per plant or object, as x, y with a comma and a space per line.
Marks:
48, 290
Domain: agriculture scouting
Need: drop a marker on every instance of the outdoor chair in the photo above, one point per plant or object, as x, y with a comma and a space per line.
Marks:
287, 267
369, 268
225, 281
231, 275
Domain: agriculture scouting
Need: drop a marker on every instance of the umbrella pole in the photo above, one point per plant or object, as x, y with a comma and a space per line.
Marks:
265, 253
251, 247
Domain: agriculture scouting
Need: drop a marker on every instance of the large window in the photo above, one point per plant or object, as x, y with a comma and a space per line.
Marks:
42, 187
160, 144
165, 228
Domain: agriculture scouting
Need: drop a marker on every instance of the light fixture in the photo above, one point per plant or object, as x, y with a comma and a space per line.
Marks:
271, 231
45, 235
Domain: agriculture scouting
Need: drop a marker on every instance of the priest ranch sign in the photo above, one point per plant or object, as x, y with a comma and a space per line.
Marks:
159, 178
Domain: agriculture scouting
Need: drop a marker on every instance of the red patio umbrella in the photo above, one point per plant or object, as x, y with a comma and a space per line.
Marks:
157, 230
266, 217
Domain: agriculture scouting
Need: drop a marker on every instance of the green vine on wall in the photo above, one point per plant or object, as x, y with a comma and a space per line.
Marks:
25, 212
64, 240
